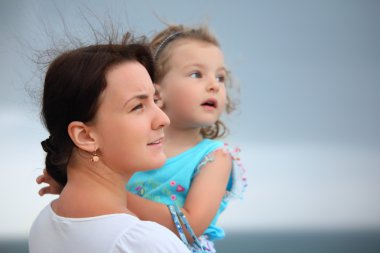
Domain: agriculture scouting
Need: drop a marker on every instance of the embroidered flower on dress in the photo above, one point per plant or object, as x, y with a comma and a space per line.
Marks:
140, 190
172, 183
180, 188
173, 197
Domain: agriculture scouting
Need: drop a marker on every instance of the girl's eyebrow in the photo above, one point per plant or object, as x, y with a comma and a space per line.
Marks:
223, 68
193, 65
202, 66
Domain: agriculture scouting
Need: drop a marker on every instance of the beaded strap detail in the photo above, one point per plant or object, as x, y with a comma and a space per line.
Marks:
178, 216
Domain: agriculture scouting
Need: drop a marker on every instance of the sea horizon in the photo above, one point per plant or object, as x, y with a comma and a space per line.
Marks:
290, 241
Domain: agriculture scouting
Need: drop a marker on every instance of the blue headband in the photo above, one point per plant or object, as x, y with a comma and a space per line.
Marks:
166, 41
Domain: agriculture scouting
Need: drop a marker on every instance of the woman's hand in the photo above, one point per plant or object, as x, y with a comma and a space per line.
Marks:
52, 186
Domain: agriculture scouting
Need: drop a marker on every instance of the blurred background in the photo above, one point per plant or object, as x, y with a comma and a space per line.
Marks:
308, 121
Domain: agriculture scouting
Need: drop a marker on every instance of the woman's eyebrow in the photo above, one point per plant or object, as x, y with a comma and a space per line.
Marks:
139, 97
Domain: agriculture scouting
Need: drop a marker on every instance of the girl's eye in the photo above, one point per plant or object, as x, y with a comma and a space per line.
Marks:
196, 75
156, 98
158, 102
137, 107
221, 78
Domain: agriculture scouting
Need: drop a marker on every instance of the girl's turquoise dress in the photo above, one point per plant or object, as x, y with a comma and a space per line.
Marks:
170, 184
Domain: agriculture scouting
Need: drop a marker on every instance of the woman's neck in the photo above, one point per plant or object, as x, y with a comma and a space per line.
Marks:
180, 140
91, 191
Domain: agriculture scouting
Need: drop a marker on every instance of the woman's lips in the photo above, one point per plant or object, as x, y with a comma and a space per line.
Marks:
156, 142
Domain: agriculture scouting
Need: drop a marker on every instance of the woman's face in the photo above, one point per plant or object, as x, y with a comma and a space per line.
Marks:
128, 123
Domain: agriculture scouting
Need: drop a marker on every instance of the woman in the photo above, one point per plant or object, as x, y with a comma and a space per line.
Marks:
99, 109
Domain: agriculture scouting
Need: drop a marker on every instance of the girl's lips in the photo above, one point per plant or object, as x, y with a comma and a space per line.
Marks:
210, 103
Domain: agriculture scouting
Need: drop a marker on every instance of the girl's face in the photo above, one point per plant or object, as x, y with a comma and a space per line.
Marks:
193, 90
128, 124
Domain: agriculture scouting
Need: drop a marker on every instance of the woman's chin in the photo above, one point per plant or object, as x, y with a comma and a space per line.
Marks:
156, 162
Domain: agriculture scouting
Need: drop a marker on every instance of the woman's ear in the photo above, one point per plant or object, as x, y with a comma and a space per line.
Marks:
81, 137
158, 96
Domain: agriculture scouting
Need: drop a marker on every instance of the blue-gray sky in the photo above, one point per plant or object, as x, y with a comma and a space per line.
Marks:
308, 120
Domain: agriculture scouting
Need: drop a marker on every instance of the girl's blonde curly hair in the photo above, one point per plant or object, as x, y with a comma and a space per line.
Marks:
160, 45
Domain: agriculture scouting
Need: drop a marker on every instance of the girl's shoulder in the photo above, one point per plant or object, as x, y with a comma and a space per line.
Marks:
209, 144
238, 180
196, 153
212, 147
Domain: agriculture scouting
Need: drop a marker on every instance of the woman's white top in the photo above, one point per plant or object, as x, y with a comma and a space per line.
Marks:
116, 233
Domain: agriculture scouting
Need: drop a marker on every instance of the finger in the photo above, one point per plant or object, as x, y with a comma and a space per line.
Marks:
49, 190
42, 191
40, 179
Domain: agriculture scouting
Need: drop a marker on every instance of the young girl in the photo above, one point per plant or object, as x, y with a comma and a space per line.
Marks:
202, 174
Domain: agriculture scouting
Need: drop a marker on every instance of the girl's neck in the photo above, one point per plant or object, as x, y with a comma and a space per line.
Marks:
180, 140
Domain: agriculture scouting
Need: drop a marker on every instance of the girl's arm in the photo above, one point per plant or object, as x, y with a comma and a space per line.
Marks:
52, 186
202, 202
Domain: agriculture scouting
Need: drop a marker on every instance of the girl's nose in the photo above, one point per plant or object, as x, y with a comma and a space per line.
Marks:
212, 85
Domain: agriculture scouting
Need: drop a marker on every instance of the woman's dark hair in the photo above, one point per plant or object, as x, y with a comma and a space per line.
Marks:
73, 84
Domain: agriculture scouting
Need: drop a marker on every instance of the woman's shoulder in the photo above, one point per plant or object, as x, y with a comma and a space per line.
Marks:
147, 236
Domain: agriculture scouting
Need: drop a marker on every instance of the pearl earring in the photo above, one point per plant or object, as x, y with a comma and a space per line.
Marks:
95, 157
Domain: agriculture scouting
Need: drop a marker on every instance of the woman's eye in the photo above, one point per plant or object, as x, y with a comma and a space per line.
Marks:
196, 75
137, 107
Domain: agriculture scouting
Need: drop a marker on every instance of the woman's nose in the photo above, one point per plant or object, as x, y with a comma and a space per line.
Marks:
161, 119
